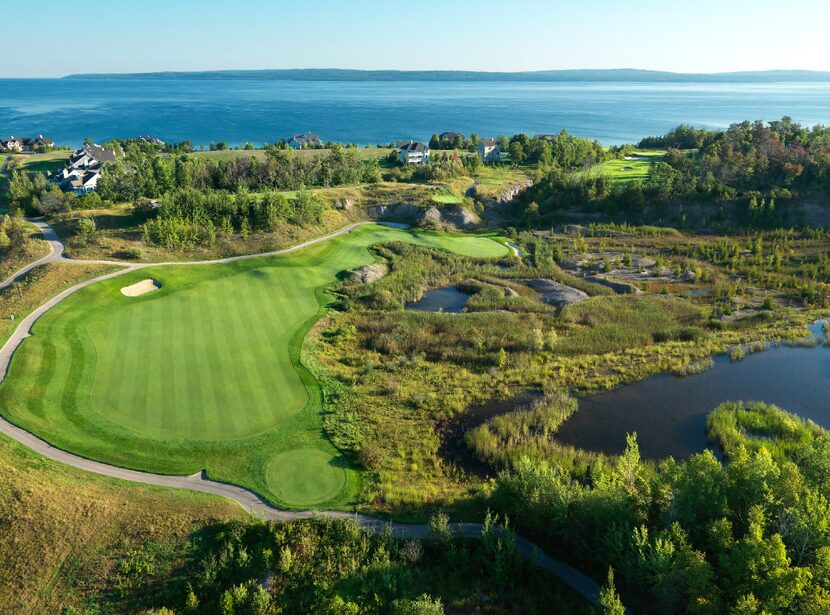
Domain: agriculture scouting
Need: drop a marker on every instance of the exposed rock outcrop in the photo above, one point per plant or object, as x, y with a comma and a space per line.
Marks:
453, 215
618, 287
394, 211
344, 204
514, 191
369, 273
459, 216
554, 293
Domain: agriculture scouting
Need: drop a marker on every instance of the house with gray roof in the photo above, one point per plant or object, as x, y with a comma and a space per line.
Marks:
414, 153
26, 144
83, 170
304, 141
489, 150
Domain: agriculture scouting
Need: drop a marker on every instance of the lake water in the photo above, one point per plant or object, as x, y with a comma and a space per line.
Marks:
449, 300
381, 112
669, 413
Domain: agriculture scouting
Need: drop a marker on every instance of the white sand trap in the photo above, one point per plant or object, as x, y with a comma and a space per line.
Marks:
140, 288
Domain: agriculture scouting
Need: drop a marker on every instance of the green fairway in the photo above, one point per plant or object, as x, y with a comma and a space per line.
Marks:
635, 169
446, 197
203, 372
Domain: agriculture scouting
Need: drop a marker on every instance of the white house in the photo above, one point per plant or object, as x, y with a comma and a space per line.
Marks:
304, 140
489, 150
414, 153
84, 183
25, 144
83, 170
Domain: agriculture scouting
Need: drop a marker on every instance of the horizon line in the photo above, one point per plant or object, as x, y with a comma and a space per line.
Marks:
438, 71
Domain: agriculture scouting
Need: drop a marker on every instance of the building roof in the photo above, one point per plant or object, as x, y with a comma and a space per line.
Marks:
489, 142
99, 153
308, 137
414, 146
27, 141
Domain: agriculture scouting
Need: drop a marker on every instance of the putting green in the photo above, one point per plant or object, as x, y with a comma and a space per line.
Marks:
305, 476
203, 372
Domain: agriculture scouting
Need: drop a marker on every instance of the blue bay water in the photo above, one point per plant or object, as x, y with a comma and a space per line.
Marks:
380, 112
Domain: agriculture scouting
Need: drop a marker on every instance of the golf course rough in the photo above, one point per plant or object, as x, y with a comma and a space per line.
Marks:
204, 371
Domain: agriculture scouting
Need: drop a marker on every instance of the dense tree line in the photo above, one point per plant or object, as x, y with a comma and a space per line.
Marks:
335, 567
454, 141
564, 151
748, 536
752, 169
143, 174
189, 217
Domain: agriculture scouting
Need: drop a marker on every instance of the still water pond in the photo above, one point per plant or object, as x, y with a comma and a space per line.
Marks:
669, 413
448, 300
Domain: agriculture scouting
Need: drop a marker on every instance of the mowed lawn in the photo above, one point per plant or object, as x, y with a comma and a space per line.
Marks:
635, 169
202, 373
40, 163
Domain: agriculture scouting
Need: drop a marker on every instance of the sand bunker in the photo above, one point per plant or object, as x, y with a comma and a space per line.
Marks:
140, 288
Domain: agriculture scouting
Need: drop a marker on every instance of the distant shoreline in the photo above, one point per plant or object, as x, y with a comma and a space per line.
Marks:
612, 75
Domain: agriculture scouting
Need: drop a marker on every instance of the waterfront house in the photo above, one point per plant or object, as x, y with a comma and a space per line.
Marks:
304, 141
26, 144
83, 169
489, 150
414, 153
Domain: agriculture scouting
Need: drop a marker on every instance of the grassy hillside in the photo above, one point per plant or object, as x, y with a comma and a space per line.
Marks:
66, 532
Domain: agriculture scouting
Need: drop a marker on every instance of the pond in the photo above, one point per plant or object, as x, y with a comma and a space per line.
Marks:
449, 300
669, 412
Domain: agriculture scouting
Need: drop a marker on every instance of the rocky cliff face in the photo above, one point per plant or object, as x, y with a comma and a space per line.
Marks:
431, 217
498, 208
514, 191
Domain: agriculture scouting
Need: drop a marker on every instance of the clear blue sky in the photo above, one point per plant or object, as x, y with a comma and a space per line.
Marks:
52, 38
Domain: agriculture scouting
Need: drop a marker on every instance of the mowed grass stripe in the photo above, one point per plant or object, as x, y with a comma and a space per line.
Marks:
280, 371
199, 375
209, 362
193, 351
173, 419
244, 363
260, 338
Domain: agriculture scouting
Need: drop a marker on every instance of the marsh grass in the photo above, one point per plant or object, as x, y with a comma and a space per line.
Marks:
736, 425
529, 432
616, 323
398, 377
694, 367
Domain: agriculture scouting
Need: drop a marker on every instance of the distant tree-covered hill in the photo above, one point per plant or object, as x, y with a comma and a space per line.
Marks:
333, 74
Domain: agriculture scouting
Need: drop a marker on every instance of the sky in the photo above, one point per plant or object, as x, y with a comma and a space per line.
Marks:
42, 40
